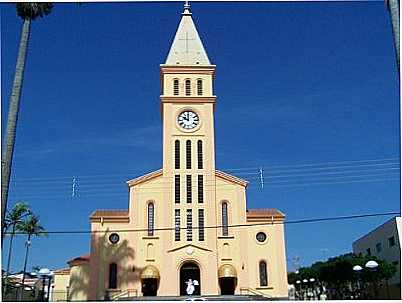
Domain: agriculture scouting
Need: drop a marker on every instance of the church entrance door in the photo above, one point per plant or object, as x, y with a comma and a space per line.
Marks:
190, 280
149, 287
227, 286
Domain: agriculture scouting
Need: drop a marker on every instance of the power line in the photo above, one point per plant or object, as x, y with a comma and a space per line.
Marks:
298, 167
300, 221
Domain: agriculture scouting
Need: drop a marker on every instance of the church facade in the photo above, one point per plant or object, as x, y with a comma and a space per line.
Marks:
184, 228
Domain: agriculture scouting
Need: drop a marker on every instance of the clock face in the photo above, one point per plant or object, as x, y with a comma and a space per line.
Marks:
188, 119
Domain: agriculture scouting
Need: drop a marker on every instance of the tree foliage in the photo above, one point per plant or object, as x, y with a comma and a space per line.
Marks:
31, 10
339, 270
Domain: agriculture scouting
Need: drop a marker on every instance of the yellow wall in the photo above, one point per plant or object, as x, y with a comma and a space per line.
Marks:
79, 282
60, 286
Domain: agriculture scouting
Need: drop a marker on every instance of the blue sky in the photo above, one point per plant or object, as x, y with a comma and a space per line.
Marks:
297, 83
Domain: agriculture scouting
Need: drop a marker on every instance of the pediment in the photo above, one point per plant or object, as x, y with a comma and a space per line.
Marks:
189, 246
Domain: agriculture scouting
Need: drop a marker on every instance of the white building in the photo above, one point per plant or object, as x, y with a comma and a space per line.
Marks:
384, 243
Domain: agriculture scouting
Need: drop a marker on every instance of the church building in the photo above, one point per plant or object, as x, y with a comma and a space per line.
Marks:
187, 228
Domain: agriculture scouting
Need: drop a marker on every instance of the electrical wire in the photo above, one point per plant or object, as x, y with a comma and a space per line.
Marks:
272, 222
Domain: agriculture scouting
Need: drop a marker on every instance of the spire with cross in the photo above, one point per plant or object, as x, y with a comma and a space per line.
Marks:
187, 48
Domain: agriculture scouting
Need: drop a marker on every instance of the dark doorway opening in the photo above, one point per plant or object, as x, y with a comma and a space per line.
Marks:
149, 287
227, 286
190, 270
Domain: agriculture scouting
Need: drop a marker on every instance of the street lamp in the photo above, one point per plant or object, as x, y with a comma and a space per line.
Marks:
45, 274
372, 265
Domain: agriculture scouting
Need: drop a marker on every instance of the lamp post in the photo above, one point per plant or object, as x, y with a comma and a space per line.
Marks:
372, 266
298, 289
46, 275
358, 269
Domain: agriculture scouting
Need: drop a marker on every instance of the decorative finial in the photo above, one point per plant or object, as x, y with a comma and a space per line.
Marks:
186, 8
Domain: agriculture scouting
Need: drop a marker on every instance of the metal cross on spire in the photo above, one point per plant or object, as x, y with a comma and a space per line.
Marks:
186, 5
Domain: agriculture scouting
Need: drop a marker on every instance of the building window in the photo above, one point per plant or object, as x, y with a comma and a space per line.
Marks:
177, 189
395, 263
177, 154
188, 87
225, 228
368, 250
200, 189
189, 195
150, 219
391, 241
176, 87
188, 154
112, 275
199, 154
177, 225
378, 247
189, 225
199, 87
201, 236
263, 273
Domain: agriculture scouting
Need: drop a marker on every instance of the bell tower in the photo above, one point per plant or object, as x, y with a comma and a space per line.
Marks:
187, 106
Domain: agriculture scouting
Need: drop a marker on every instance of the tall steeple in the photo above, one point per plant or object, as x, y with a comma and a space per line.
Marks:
187, 48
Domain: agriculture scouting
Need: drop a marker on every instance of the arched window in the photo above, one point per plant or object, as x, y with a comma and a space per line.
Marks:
199, 154
151, 219
188, 87
199, 87
188, 154
113, 275
176, 87
225, 228
177, 154
263, 273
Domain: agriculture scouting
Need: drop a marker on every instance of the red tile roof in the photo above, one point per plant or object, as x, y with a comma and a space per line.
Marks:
264, 214
62, 271
78, 260
109, 213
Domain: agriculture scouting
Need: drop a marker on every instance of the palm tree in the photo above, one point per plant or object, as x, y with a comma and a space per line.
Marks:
28, 12
13, 219
30, 227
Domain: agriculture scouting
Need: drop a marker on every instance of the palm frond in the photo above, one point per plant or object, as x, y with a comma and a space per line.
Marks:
32, 10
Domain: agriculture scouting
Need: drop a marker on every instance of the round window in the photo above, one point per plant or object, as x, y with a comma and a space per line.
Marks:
261, 237
114, 238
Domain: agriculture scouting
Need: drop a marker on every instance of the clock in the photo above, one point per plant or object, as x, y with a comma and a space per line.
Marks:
188, 119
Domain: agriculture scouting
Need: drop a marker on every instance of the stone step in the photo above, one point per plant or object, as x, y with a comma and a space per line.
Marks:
207, 298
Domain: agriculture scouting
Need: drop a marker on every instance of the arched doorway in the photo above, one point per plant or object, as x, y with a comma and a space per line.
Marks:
190, 270
149, 281
227, 279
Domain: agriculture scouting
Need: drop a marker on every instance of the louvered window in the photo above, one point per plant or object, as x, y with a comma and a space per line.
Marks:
177, 189
189, 187
188, 154
177, 154
188, 87
200, 189
176, 87
199, 87
201, 236
189, 225
177, 225
199, 155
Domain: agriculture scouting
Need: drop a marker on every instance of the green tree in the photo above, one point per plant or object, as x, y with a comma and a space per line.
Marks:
337, 272
30, 227
12, 221
28, 12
